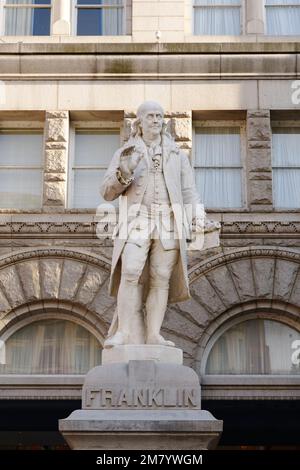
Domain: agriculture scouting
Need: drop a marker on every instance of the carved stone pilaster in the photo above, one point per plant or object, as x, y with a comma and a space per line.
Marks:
61, 17
259, 160
181, 130
56, 150
255, 17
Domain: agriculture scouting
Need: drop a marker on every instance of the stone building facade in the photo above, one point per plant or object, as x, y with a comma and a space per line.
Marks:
55, 258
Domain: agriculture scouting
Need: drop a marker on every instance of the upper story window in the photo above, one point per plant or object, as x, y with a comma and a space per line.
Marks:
218, 17
283, 17
26, 17
100, 17
257, 346
218, 163
91, 153
21, 169
286, 167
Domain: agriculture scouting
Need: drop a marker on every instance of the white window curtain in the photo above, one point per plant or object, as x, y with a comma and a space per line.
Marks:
19, 18
283, 17
286, 167
51, 347
112, 18
254, 347
19, 21
217, 17
218, 166
93, 152
21, 170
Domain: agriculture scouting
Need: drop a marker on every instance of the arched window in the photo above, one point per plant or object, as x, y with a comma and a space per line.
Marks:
256, 346
51, 347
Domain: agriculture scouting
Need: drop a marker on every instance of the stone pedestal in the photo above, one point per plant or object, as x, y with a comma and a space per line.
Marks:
142, 352
141, 404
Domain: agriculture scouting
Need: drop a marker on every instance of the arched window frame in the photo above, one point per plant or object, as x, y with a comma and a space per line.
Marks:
250, 386
36, 386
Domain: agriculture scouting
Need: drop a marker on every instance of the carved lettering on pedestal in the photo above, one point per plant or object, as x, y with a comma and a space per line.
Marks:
98, 398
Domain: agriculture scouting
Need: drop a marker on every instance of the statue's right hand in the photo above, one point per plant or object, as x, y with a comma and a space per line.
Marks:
129, 160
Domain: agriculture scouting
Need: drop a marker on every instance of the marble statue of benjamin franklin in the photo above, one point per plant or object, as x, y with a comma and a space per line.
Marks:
159, 207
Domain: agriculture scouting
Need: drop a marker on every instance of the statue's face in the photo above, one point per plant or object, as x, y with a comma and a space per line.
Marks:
151, 122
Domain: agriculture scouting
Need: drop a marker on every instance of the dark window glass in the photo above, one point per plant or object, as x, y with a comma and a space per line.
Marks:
89, 22
41, 22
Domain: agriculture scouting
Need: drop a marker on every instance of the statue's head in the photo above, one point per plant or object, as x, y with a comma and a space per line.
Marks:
150, 119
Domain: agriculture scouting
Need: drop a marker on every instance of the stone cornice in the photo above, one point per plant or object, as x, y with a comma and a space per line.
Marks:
89, 229
78, 48
87, 61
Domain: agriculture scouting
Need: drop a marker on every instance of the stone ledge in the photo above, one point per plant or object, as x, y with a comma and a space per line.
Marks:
275, 46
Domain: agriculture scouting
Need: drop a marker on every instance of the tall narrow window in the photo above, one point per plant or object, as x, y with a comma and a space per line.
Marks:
27, 17
283, 17
217, 17
286, 167
21, 169
218, 166
92, 153
100, 17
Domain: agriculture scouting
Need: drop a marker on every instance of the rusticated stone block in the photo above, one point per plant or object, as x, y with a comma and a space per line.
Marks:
263, 270
55, 161
242, 276
258, 125
56, 145
91, 284
9, 281
126, 130
71, 276
57, 130
57, 114
257, 113
54, 193
206, 295
181, 128
30, 279
222, 281
259, 129
192, 308
259, 144
50, 273
55, 177
261, 192
285, 275
103, 303
181, 326
266, 175
4, 305
178, 114
259, 160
